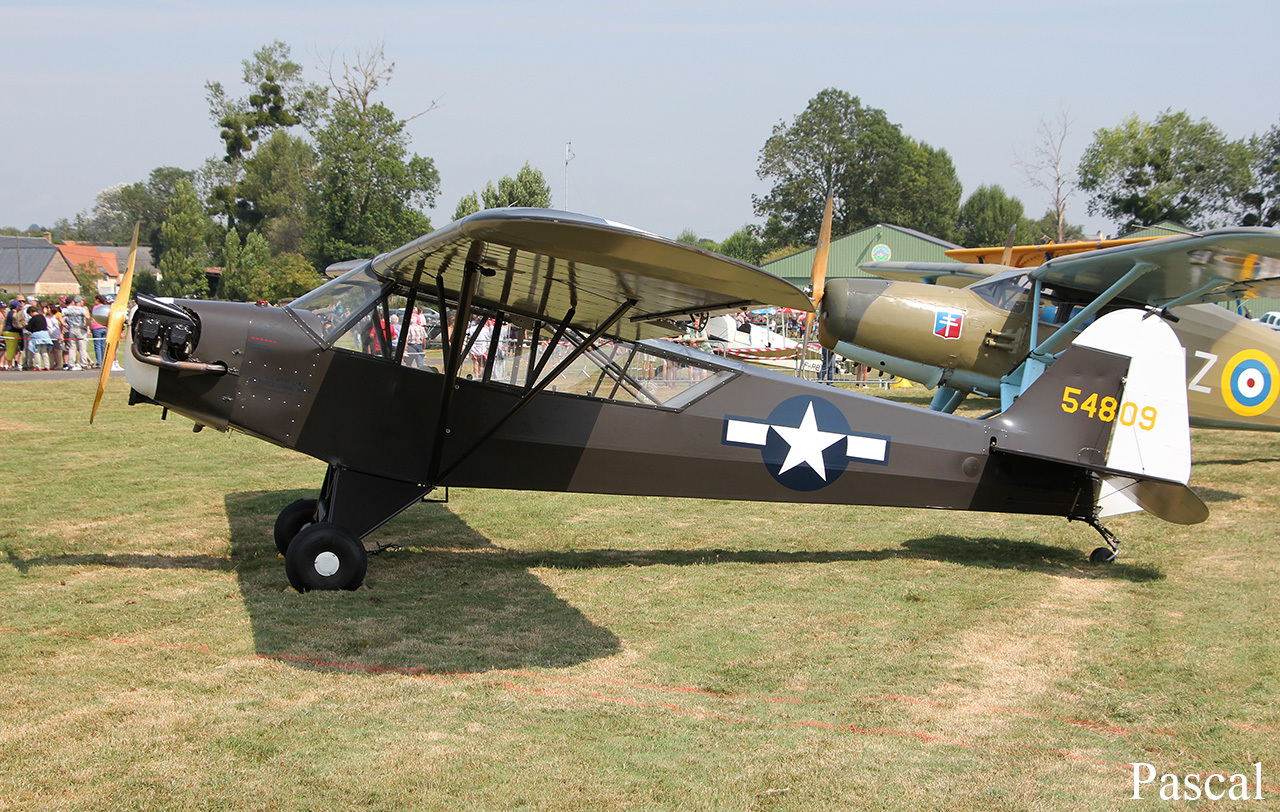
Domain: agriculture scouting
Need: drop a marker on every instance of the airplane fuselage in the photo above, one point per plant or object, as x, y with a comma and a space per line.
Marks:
969, 338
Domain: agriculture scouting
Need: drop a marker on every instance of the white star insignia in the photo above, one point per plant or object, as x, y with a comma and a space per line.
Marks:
807, 442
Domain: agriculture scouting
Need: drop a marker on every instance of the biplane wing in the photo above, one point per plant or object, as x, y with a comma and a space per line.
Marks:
1029, 256
1221, 265
539, 262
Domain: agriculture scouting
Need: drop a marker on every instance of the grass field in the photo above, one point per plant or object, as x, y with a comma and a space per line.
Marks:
544, 651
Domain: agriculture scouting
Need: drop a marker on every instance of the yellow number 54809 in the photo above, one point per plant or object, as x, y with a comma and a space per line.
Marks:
1106, 409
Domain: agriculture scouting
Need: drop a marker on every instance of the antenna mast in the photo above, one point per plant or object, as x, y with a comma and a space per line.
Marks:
568, 156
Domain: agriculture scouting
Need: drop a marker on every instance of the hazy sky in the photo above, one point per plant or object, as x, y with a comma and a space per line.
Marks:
667, 104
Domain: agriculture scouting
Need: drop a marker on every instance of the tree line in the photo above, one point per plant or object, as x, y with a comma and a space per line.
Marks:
307, 174
1136, 174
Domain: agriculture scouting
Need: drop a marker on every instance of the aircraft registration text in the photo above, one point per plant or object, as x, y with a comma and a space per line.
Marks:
1107, 408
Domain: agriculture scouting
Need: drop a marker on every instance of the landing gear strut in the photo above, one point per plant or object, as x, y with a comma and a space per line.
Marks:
1103, 555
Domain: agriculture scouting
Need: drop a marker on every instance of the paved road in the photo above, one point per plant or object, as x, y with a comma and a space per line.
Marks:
8, 377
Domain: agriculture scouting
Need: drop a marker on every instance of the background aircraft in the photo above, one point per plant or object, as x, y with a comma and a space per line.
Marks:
994, 334
583, 400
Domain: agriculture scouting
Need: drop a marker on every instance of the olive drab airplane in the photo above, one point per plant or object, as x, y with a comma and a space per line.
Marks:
989, 323
551, 376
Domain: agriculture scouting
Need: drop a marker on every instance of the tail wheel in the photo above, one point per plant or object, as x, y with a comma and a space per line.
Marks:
325, 555
298, 515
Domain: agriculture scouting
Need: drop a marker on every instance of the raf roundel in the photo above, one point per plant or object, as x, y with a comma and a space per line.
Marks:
1249, 383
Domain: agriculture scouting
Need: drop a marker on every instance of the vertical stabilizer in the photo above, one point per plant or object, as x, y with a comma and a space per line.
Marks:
1151, 438
1114, 402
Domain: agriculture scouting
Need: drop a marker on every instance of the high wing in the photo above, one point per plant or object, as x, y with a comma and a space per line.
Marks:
1220, 265
582, 270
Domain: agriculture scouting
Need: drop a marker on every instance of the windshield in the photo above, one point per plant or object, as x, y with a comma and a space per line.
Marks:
335, 303
1005, 292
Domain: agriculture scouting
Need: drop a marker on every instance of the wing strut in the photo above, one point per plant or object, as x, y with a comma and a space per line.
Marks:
1015, 383
454, 353
408, 310
527, 397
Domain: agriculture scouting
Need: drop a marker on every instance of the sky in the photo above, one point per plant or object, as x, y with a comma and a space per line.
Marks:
666, 104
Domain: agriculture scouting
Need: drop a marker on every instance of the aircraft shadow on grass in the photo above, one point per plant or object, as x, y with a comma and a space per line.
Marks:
452, 601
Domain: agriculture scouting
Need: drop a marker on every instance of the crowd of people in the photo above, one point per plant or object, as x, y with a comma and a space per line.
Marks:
53, 334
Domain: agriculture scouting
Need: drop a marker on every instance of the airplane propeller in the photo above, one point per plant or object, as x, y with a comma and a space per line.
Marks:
115, 322
1007, 256
818, 277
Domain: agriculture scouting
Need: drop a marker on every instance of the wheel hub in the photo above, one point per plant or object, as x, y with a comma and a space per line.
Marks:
326, 564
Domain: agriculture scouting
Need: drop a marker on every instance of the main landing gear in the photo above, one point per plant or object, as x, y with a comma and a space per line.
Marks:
318, 555
321, 539
292, 520
325, 555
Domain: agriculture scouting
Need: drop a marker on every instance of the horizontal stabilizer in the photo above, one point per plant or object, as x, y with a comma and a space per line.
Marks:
1167, 500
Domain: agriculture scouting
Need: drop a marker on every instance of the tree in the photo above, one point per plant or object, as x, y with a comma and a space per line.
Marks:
292, 276
690, 237
86, 273
246, 274
279, 98
840, 148
117, 208
1045, 170
1262, 201
468, 205
986, 217
1170, 169
1049, 228
274, 188
369, 191
182, 237
527, 188
745, 245
925, 194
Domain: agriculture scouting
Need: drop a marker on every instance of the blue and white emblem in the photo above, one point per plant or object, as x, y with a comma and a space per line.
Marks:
806, 442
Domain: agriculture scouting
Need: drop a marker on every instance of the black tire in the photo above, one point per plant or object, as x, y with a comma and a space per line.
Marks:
326, 556
292, 519
1102, 555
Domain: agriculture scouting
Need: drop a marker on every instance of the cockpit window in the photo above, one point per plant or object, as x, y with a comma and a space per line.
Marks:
1005, 292
334, 304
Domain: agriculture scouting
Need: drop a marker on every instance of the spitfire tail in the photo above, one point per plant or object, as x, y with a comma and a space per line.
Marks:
1115, 402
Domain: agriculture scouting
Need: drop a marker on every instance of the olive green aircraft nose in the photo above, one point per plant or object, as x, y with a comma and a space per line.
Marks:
844, 304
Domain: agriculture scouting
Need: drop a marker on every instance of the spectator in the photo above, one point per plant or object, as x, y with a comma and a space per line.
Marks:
482, 333
99, 331
415, 342
39, 342
15, 318
57, 331
76, 316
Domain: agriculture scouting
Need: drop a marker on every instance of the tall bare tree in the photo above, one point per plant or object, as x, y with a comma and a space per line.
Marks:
1045, 168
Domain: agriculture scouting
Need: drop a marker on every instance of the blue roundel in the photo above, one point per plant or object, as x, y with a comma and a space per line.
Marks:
806, 448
